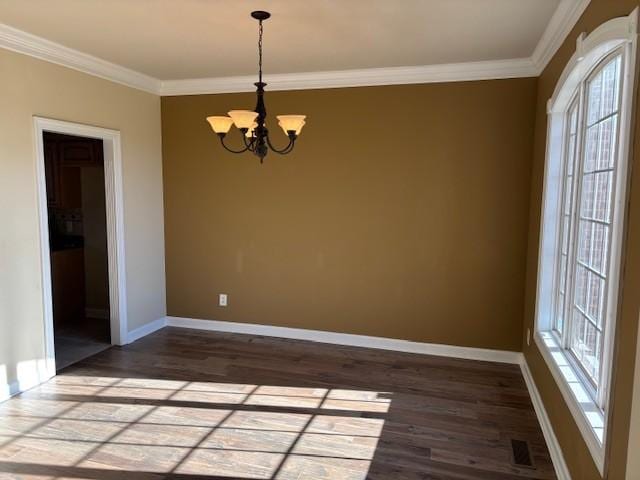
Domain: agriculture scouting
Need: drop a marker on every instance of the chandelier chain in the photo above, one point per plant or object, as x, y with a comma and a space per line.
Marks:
260, 52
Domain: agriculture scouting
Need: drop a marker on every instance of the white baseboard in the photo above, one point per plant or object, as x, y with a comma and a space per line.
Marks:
502, 356
8, 390
146, 329
38, 372
101, 313
562, 471
30, 373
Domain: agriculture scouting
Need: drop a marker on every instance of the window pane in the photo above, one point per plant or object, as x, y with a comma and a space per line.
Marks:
567, 208
600, 145
599, 248
589, 259
559, 318
610, 87
578, 323
594, 99
595, 297
573, 120
568, 195
606, 145
581, 288
565, 234
603, 92
593, 244
595, 202
571, 155
591, 149
584, 245
602, 196
586, 345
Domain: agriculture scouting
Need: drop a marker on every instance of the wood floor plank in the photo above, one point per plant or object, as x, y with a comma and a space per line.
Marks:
188, 405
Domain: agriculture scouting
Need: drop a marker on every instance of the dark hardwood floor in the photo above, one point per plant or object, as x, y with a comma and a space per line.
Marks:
186, 404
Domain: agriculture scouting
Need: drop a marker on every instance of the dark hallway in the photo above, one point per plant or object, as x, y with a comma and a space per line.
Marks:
78, 243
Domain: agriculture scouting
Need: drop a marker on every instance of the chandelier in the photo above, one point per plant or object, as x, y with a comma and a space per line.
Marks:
254, 133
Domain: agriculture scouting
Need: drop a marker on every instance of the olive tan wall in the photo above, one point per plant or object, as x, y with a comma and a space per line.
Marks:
403, 212
574, 449
633, 461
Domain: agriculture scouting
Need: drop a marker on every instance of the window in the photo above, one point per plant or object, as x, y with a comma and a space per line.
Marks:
586, 218
582, 221
566, 217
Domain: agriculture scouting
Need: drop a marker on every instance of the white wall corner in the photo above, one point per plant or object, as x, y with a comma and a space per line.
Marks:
8, 390
562, 22
22, 42
633, 22
453, 72
30, 374
559, 464
146, 329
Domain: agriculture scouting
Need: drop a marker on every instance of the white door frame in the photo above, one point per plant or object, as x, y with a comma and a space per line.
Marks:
115, 228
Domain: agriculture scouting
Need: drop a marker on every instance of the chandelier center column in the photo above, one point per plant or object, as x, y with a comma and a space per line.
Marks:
261, 132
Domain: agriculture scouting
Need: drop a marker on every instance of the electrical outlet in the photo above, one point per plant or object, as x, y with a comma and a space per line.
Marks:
222, 300
528, 337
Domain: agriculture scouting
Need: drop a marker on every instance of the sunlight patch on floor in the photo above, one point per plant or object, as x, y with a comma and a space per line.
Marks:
84, 426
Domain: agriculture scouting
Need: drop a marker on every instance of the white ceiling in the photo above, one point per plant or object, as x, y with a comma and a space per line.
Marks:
180, 39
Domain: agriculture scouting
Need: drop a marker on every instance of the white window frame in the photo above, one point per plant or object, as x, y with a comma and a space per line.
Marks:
589, 411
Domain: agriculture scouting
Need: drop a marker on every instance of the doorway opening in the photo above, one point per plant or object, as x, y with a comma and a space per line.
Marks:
79, 171
76, 211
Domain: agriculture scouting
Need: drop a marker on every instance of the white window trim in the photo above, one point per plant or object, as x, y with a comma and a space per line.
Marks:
619, 33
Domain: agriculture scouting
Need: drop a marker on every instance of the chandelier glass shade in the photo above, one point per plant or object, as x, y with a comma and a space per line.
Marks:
252, 123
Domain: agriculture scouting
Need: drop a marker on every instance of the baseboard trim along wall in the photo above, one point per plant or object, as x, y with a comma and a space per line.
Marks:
146, 329
559, 464
353, 340
30, 373
35, 373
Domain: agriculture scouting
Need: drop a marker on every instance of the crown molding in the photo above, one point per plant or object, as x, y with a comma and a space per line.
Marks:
560, 25
38, 47
453, 72
562, 22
